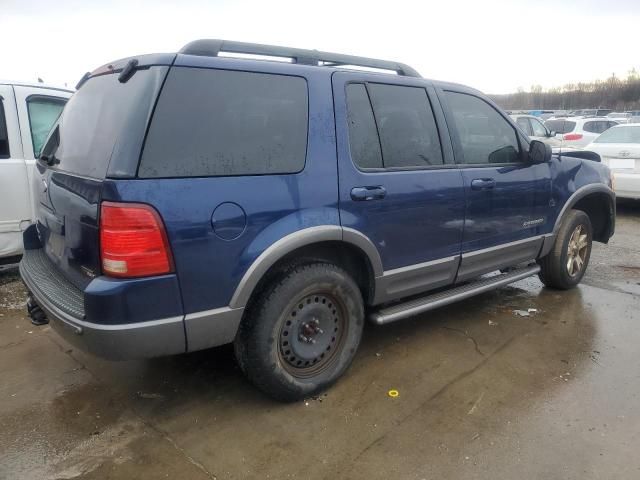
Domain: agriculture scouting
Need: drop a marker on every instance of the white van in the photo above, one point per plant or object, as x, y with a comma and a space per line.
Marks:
27, 112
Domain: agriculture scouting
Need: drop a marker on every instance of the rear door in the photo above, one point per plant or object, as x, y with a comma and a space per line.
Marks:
506, 196
14, 197
398, 183
101, 127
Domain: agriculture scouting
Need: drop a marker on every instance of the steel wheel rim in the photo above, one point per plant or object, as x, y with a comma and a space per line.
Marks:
312, 334
577, 250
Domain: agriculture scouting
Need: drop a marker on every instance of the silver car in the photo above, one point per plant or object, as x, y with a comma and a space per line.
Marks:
536, 130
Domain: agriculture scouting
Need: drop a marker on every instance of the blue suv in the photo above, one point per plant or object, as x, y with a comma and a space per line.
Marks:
195, 199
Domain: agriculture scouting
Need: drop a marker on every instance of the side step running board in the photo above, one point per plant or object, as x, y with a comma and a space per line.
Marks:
423, 304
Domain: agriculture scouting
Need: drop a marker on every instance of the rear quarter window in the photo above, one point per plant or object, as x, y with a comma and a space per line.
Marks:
597, 126
222, 122
560, 126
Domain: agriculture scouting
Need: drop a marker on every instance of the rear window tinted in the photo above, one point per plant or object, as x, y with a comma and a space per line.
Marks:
597, 126
218, 122
4, 137
105, 119
560, 126
408, 132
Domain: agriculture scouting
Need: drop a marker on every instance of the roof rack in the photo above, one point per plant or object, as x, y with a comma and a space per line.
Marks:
212, 48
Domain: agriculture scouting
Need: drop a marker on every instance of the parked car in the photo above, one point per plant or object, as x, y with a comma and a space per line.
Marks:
619, 148
536, 130
27, 112
575, 132
620, 117
208, 209
591, 112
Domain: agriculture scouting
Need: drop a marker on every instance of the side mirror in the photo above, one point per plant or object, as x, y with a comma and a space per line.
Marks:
551, 133
539, 152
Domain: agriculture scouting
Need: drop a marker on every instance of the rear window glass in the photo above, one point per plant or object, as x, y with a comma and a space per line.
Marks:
560, 126
4, 137
408, 131
219, 122
105, 119
620, 135
598, 126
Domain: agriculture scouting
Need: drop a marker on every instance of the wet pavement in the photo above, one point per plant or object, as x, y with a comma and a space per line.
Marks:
483, 393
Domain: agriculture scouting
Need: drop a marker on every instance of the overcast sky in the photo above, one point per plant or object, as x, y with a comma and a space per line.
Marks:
495, 46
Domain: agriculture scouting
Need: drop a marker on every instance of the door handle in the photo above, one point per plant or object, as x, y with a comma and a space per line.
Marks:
483, 184
363, 194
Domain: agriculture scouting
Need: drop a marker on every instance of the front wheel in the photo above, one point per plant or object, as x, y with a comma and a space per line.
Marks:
565, 265
302, 331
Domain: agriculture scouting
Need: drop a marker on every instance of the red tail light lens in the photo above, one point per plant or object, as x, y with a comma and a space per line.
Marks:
572, 136
133, 241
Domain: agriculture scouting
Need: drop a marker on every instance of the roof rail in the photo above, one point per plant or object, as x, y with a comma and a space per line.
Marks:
212, 48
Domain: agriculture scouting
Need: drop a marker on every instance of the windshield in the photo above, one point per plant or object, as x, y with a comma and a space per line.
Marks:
560, 126
620, 135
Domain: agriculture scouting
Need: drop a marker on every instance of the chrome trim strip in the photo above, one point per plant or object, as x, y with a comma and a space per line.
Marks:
419, 266
495, 248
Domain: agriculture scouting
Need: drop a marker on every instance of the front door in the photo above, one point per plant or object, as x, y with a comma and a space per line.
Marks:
38, 109
505, 193
398, 183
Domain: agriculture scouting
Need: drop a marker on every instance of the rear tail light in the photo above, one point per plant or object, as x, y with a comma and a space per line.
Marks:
572, 136
133, 241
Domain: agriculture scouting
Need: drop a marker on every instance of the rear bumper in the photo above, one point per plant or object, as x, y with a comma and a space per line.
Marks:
145, 339
73, 312
627, 185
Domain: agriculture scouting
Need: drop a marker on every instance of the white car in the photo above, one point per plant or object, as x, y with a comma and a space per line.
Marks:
619, 148
27, 112
535, 129
574, 132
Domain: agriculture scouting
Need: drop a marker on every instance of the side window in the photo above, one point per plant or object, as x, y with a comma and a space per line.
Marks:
486, 137
611, 124
524, 124
4, 136
406, 125
591, 127
598, 126
43, 113
363, 136
222, 122
538, 128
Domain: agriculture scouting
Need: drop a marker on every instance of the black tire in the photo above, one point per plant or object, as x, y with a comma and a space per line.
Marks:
555, 271
316, 302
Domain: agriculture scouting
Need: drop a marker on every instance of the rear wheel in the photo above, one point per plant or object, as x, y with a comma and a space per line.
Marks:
302, 331
565, 265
